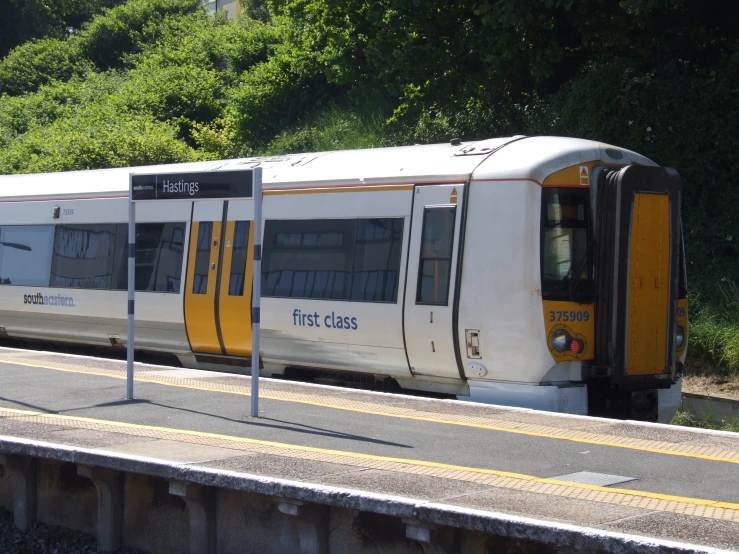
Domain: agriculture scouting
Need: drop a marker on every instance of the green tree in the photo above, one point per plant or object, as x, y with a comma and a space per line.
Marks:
22, 20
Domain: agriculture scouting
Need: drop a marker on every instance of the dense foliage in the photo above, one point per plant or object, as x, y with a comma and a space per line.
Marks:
158, 80
22, 20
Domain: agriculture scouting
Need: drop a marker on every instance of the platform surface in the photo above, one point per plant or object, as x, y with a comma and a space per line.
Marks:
668, 482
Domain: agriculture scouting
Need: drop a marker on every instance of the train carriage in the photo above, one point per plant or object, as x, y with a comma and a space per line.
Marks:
539, 272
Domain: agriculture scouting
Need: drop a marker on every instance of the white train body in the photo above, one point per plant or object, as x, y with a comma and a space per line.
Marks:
463, 313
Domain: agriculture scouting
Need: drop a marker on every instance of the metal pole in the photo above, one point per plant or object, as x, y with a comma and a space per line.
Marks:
131, 288
255, 316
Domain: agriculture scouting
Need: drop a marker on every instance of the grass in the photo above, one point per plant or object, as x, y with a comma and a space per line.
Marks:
686, 419
714, 330
332, 128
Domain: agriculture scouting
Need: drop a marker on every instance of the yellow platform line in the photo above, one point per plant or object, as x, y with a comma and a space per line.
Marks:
717, 454
699, 507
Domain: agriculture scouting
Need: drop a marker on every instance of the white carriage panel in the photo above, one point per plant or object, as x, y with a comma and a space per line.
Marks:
107, 210
159, 307
98, 210
373, 343
208, 210
240, 210
344, 204
501, 285
352, 336
91, 316
150, 306
162, 212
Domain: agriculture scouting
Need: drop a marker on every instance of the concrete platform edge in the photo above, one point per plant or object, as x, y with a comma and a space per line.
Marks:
569, 538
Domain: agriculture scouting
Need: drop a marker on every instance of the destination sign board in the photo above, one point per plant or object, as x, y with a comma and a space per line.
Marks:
193, 186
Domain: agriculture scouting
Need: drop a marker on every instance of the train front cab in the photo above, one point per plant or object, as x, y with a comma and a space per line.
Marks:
613, 287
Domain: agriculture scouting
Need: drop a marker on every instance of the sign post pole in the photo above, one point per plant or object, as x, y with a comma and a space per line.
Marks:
256, 312
131, 288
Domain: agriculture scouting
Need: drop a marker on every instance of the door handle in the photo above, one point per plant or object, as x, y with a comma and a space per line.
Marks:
473, 343
213, 265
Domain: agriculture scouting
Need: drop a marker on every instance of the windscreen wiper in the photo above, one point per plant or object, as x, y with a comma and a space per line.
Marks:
575, 279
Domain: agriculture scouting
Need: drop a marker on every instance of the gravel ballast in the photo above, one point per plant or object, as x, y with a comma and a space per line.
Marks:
46, 539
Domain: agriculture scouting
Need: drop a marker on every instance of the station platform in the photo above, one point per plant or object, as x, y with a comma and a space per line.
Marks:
648, 480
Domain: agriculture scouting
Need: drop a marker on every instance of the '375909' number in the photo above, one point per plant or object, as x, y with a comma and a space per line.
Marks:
568, 316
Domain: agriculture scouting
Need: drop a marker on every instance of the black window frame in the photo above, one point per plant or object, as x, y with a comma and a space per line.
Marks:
119, 264
120, 275
271, 244
240, 286
85, 231
198, 251
422, 258
583, 290
6, 281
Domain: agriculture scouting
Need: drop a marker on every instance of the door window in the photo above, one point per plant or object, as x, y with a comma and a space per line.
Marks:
434, 269
202, 258
238, 259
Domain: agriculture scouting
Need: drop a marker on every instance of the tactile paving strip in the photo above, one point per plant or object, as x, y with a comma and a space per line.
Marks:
639, 499
372, 407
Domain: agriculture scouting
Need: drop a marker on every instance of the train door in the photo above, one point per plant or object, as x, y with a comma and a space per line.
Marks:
637, 267
219, 278
431, 279
649, 285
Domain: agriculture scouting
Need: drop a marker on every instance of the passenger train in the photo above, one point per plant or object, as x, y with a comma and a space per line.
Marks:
538, 272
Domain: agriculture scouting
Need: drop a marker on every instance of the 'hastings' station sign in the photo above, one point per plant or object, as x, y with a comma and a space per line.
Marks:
192, 186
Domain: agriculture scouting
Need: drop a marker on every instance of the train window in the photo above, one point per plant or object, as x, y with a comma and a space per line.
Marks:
159, 250
202, 258
566, 258
309, 258
25, 254
238, 259
377, 260
436, 255
83, 256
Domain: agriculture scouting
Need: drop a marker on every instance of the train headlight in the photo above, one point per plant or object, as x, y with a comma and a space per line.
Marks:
559, 340
680, 336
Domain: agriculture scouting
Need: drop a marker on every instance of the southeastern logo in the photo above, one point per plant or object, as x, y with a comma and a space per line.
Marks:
53, 300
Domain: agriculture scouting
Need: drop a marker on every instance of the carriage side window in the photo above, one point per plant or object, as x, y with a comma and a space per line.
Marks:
434, 269
159, 251
84, 256
377, 260
309, 258
25, 254
333, 259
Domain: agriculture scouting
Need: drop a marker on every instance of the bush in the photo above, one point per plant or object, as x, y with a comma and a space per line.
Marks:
23, 20
39, 62
97, 136
274, 94
124, 29
332, 128
21, 114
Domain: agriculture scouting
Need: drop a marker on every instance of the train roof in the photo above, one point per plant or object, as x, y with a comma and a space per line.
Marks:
518, 156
